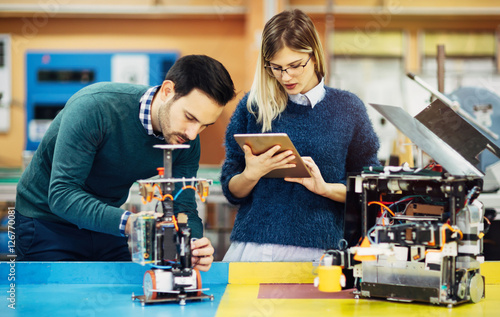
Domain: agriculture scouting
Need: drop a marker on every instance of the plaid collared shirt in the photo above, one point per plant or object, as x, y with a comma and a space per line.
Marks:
145, 110
145, 117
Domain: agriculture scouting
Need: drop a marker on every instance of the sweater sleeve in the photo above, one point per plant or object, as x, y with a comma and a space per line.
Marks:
234, 162
82, 130
364, 145
186, 165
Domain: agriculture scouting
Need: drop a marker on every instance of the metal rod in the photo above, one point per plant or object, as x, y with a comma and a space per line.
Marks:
420, 157
441, 56
364, 213
167, 163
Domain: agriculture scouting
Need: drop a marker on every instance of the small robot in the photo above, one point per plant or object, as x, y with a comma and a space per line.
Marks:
427, 241
163, 241
416, 234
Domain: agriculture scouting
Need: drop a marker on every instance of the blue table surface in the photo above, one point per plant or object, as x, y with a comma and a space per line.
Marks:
94, 289
100, 300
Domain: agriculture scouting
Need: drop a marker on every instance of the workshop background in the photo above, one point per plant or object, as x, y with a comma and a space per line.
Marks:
371, 46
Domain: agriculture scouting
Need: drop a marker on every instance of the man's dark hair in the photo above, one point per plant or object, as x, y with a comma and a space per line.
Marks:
203, 73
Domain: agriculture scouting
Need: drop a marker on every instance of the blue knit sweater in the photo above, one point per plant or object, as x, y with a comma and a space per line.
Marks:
339, 137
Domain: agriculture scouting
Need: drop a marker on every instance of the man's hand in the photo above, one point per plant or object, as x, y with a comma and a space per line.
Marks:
202, 252
128, 225
201, 249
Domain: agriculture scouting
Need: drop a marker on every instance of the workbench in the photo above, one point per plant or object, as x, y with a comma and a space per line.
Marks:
239, 289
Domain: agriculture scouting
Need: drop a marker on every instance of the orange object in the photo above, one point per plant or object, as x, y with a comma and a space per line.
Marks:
437, 168
198, 282
167, 196
382, 205
161, 171
149, 285
364, 244
175, 223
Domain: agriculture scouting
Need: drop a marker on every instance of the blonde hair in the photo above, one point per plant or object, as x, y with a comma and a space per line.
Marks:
294, 29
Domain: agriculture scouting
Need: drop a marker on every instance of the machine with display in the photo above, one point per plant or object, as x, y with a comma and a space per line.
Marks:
53, 77
162, 240
416, 234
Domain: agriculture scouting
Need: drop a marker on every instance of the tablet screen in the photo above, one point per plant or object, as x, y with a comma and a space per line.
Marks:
261, 142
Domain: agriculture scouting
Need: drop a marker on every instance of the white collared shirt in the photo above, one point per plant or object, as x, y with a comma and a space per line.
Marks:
312, 97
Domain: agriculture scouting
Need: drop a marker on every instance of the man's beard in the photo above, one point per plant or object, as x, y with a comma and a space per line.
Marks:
165, 124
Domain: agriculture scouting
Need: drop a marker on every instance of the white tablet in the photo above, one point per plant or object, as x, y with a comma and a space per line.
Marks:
261, 142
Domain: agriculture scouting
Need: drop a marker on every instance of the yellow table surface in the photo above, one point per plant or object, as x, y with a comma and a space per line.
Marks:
241, 296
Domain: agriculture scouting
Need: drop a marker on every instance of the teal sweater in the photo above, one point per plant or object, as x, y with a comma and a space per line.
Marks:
92, 153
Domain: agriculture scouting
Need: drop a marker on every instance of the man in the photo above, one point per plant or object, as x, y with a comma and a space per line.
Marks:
69, 197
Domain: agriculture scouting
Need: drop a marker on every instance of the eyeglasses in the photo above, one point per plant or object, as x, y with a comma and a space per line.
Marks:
292, 71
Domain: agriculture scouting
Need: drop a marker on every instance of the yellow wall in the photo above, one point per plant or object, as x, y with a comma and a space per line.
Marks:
221, 39
224, 33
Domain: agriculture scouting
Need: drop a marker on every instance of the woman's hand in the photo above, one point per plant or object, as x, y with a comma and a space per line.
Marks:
259, 165
317, 184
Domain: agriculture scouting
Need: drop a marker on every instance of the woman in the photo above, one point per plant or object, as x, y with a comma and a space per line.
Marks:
293, 219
